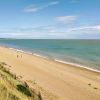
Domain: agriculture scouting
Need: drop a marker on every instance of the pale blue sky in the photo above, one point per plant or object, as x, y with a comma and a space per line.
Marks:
50, 19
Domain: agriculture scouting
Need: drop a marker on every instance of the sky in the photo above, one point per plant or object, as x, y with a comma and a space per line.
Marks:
50, 19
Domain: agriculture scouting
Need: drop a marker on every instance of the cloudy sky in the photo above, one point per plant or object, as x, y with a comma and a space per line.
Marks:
50, 19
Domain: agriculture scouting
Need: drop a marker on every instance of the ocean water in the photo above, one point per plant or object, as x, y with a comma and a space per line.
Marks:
82, 52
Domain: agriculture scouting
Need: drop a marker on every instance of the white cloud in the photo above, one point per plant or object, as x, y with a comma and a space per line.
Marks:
97, 27
75, 1
33, 8
55, 31
82, 28
53, 3
66, 19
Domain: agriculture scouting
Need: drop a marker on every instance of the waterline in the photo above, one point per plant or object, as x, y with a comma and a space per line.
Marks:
56, 60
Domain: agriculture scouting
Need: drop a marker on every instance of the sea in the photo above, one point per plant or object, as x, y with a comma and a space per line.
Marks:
81, 52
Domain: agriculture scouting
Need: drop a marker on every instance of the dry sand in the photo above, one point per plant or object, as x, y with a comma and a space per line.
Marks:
57, 81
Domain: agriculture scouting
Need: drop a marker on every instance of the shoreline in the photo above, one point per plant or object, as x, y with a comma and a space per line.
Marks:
55, 59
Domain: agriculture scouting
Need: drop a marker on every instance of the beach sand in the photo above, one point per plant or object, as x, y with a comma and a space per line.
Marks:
56, 81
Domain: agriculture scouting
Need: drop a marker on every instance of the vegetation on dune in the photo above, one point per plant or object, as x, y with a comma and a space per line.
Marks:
11, 88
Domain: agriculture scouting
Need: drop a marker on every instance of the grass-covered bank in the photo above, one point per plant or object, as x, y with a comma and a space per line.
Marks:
11, 88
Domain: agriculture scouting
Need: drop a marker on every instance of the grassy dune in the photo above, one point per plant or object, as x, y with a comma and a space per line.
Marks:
11, 88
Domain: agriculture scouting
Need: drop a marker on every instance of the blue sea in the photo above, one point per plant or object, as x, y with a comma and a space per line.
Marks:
82, 52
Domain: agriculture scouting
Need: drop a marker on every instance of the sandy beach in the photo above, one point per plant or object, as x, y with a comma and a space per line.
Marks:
55, 80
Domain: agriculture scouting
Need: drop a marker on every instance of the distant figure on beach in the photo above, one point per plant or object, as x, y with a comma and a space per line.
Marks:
17, 56
21, 56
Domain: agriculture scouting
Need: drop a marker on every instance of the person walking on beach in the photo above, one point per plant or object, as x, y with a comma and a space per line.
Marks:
17, 56
21, 56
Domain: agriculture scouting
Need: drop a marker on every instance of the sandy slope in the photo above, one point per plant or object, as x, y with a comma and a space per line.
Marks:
60, 81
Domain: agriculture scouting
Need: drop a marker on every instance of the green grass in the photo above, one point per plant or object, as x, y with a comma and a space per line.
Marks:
11, 88
6, 95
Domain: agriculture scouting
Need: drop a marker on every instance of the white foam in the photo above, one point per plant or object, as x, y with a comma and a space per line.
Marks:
76, 65
57, 60
19, 50
39, 55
